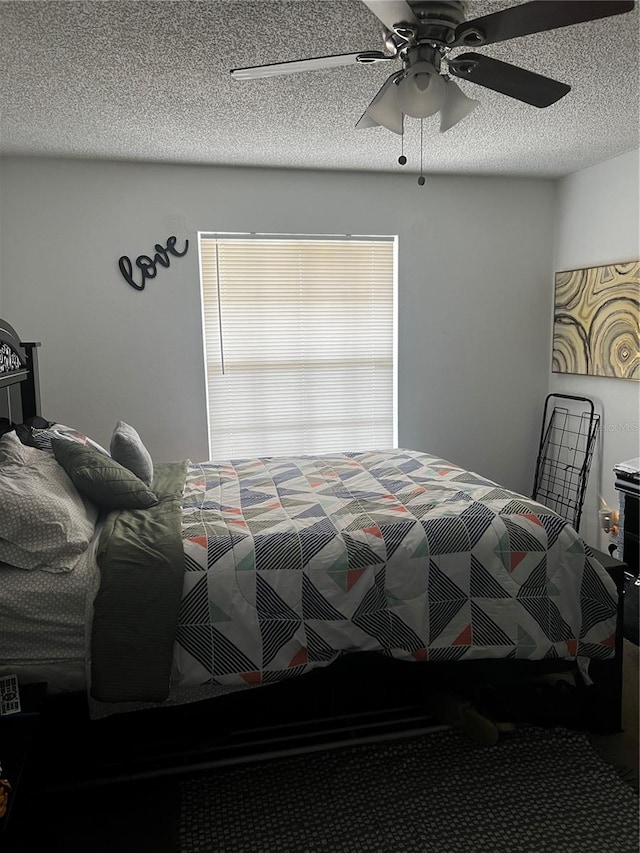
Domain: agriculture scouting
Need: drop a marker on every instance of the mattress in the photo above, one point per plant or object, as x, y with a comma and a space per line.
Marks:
291, 562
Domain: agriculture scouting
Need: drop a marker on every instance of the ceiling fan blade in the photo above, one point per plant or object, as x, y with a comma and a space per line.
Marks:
383, 109
365, 57
535, 17
392, 12
508, 79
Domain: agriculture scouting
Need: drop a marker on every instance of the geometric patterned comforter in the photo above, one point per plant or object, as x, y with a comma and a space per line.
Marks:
293, 561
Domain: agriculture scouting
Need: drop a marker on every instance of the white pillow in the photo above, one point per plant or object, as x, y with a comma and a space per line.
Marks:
45, 524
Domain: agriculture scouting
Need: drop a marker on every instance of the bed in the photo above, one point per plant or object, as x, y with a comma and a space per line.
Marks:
237, 574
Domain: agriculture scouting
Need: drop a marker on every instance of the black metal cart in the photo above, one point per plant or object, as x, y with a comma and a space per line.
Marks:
567, 441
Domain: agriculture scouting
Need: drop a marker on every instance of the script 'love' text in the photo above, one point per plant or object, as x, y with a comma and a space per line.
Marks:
148, 266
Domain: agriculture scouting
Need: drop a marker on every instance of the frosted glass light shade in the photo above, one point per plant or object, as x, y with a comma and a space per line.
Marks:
366, 121
422, 92
384, 108
456, 106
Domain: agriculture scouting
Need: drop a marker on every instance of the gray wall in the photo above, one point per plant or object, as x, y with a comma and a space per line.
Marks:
597, 223
475, 272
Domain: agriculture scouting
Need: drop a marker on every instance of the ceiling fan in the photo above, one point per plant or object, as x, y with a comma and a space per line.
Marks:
422, 33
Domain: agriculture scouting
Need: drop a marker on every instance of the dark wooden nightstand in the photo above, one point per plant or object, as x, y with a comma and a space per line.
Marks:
18, 737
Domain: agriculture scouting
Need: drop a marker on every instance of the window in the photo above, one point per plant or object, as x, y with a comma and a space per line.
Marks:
299, 342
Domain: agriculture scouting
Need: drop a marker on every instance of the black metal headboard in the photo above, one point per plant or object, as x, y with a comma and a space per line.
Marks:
18, 372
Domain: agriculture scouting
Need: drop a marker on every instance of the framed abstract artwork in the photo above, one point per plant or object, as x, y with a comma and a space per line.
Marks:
596, 323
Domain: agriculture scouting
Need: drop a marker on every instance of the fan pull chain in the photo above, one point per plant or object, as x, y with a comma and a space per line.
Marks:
402, 159
421, 179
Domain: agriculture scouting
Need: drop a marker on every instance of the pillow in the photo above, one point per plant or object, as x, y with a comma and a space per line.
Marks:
12, 450
100, 478
38, 422
44, 523
41, 438
127, 448
23, 431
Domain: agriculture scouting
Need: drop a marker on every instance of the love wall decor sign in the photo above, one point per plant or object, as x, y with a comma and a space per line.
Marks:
147, 266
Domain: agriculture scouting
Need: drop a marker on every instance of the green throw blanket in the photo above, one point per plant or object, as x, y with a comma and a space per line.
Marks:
141, 560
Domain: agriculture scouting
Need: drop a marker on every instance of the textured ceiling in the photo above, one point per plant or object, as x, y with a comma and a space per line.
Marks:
150, 81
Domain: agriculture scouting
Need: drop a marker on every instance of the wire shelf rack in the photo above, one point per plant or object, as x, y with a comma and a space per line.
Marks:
567, 441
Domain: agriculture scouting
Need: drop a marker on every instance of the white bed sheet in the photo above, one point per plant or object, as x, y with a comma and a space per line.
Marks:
43, 623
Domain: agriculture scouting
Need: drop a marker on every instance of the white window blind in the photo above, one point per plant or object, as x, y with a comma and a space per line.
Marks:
299, 343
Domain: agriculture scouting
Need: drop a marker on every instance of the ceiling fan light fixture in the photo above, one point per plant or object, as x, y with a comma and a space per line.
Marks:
422, 91
456, 106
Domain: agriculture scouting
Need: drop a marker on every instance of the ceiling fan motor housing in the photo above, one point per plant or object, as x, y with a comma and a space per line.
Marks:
422, 53
438, 19
427, 41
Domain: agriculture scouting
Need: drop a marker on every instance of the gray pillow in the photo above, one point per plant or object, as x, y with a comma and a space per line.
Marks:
127, 448
100, 478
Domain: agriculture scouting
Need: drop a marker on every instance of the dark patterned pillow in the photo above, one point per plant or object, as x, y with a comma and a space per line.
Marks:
24, 431
42, 438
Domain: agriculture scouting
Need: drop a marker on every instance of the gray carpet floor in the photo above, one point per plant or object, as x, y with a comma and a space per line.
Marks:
536, 791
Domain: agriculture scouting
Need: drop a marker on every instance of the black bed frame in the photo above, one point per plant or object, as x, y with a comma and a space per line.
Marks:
363, 697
